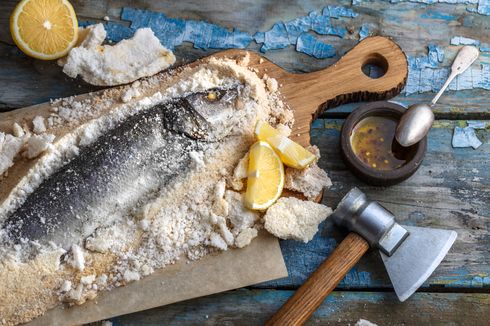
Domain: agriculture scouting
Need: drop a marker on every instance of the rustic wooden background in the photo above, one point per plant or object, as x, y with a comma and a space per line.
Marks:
451, 190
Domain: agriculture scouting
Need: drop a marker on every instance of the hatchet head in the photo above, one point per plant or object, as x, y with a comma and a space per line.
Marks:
410, 254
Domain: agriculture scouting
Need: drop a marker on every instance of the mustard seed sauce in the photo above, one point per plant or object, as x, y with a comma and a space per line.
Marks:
373, 142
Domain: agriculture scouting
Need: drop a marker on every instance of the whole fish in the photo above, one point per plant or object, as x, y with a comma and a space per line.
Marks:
109, 177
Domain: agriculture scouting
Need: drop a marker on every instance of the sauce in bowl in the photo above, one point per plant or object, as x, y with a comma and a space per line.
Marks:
373, 142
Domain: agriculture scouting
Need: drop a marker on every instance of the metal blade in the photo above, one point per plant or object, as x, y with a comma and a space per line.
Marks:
416, 258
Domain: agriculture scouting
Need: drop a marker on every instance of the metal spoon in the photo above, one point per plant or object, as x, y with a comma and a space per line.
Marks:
417, 120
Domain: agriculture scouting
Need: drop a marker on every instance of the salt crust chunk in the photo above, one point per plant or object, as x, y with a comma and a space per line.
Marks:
217, 241
38, 125
220, 205
130, 276
78, 258
107, 65
245, 237
239, 173
291, 218
9, 148
309, 181
65, 286
88, 279
17, 130
37, 144
240, 216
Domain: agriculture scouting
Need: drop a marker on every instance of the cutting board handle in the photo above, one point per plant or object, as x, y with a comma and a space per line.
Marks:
299, 308
346, 82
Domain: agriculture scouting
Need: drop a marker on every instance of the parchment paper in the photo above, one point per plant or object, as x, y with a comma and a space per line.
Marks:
259, 262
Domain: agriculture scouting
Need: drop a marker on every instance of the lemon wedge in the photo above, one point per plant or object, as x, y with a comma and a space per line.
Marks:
291, 153
265, 177
44, 29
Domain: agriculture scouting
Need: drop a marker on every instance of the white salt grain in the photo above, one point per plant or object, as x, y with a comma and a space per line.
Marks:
37, 144
66, 286
226, 234
271, 84
78, 259
17, 130
88, 279
240, 173
130, 276
245, 237
217, 241
9, 148
197, 158
38, 125
240, 216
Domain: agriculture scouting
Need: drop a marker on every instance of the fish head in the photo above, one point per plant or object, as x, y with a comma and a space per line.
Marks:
215, 109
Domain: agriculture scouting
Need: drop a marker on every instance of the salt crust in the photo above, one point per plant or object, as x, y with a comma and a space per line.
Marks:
292, 218
176, 223
210, 218
310, 181
108, 65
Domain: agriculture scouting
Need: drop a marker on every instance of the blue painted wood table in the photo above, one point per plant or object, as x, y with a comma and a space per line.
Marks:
451, 189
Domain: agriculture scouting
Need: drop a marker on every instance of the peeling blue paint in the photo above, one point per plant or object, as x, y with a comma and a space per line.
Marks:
338, 11
485, 47
117, 32
430, 2
363, 32
436, 54
479, 6
465, 137
463, 278
310, 45
461, 40
434, 14
174, 31
283, 34
484, 7
425, 74
476, 124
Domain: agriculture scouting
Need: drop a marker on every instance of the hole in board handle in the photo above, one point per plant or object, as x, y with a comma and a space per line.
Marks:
375, 66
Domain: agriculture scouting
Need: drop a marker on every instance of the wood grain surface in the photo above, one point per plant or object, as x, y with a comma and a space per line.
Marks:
308, 94
254, 307
310, 295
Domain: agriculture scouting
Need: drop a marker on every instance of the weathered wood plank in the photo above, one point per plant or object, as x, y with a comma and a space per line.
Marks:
411, 25
450, 190
254, 307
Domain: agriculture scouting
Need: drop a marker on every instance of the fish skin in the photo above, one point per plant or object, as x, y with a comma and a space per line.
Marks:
140, 156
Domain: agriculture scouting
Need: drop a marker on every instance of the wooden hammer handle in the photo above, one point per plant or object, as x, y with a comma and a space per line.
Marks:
299, 308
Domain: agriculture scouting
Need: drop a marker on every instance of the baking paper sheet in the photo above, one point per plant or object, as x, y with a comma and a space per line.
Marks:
259, 262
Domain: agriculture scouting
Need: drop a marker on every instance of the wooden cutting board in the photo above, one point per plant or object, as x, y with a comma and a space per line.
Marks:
310, 93
307, 95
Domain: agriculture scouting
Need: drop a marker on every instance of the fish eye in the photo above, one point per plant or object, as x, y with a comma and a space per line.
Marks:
214, 95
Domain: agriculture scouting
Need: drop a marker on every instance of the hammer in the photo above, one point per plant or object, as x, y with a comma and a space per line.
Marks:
410, 255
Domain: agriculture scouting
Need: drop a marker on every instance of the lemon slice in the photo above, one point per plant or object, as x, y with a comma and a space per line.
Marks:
265, 177
291, 153
44, 29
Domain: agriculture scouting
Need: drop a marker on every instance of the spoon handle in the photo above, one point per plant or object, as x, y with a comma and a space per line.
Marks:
466, 56
443, 88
